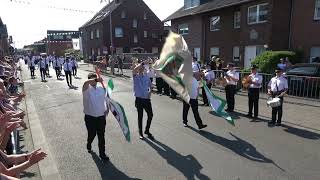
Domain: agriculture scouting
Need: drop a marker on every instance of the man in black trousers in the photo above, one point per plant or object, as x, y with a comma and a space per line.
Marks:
232, 78
255, 81
67, 66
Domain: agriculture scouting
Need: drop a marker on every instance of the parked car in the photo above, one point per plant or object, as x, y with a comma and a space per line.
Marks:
304, 80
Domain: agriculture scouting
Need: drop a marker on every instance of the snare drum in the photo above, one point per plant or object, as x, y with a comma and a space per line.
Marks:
274, 102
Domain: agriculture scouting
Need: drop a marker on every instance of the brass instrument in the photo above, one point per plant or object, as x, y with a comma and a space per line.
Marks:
246, 81
221, 81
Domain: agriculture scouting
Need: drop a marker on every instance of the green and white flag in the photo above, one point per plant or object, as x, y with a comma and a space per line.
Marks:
217, 104
118, 111
175, 65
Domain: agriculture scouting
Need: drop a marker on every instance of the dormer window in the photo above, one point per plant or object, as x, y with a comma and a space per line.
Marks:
191, 3
144, 15
123, 15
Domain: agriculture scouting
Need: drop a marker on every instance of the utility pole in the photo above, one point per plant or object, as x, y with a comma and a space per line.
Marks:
111, 32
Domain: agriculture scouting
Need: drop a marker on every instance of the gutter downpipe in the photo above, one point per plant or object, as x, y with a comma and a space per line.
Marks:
290, 25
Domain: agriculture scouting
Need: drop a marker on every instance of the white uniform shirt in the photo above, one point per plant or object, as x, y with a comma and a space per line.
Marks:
31, 62
61, 61
56, 63
196, 67
74, 63
256, 78
42, 63
209, 75
67, 66
195, 89
47, 61
233, 74
94, 101
280, 82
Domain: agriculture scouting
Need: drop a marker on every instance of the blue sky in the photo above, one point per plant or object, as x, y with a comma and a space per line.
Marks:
28, 20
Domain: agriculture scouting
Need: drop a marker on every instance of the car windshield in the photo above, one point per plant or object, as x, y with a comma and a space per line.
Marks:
307, 70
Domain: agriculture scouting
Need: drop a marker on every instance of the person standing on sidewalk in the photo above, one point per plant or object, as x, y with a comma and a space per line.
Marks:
31, 65
95, 110
142, 92
193, 103
255, 81
209, 77
232, 78
67, 66
277, 87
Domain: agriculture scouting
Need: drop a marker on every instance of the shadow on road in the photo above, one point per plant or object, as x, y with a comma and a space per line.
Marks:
25, 174
238, 146
108, 170
188, 165
301, 133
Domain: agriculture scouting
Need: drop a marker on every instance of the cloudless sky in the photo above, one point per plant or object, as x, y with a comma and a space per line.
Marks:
28, 20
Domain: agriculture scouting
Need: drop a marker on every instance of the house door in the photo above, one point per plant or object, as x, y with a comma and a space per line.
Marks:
196, 53
249, 55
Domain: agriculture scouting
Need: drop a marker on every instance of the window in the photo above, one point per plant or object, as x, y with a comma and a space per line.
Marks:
314, 53
119, 50
145, 34
123, 15
183, 29
144, 15
135, 23
236, 53
215, 23
92, 51
257, 14
98, 50
69, 37
118, 31
191, 3
91, 35
317, 10
214, 51
97, 34
154, 35
135, 38
155, 50
237, 19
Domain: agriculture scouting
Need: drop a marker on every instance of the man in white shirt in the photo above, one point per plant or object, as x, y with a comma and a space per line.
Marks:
56, 65
232, 78
209, 77
67, 66
47, 65
95, 110
255, 81
195, 66
193, 103
42, 67
277, 87
31, 65
74, 66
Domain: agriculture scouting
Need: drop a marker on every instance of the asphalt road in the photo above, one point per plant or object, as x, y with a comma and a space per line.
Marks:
249, 151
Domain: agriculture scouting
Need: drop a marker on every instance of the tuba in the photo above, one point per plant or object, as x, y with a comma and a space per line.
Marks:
246, 82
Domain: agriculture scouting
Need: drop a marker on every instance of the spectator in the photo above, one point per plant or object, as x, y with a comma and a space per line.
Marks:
282, 65
195, 66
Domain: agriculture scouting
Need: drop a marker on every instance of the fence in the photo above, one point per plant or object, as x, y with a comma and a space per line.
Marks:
299, 86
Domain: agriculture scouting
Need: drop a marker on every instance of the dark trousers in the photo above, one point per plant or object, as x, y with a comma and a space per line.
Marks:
204, 95
166, 88
43, 73
173, 93
47, 70
68, 77
277, 111
144, 104
74, 71
194, 107
96, 126
230, 92
58, 72
159, 84
32, 71
253, 95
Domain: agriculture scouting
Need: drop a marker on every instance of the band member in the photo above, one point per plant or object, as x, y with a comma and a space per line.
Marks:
74, 66
277, 87
195, 65
159, 83
47, 60
56, 65
193, 103
62, 61
31, 65
67, 66
42, 67
95, 110
120, 64
255, 81
209, 78
232, 78
142, 92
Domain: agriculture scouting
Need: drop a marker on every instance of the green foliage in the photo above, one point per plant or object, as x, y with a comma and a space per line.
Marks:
75, 53
267, 61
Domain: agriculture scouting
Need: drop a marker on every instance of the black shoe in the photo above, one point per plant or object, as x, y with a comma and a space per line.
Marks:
185, 125
104, 158
227, 110
141, 137
271, 123
203, 126
150, 136
278, 124
89, 148
249, 115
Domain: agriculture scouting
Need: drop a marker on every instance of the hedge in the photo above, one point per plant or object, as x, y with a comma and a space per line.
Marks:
267, 61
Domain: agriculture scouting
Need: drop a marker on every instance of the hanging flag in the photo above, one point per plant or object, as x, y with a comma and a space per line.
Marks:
118, 112
175, 65
217, 104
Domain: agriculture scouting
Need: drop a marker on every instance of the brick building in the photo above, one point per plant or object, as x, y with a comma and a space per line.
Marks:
4, 43
59, 41
239, 30
134, 28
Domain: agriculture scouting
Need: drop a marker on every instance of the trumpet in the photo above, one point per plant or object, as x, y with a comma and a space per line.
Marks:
221, 82
246, 81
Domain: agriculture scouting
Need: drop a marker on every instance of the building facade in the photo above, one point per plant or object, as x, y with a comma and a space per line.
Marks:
239, 30
4, 43
133, 28
59, 41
